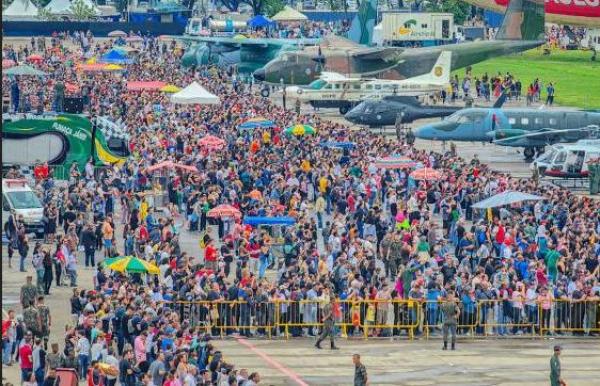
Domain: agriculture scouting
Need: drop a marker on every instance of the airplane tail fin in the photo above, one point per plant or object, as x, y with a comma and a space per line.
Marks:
500, 101
523, 20
440, 72
361, 29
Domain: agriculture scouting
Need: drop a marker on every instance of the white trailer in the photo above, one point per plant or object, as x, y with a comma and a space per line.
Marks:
400, 28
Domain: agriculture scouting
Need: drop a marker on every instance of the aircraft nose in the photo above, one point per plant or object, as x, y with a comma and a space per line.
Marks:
425, 132
259, 74
352, 116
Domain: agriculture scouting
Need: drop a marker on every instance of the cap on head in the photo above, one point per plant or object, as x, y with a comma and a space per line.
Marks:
557, 348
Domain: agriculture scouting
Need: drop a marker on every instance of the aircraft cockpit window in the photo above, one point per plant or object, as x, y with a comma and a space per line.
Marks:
458, 118
337, 86
561, 158
284, 57
368, 110
328, 87
317, 84
478, 117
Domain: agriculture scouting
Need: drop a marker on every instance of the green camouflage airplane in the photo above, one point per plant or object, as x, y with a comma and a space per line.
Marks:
248, 53
521, 30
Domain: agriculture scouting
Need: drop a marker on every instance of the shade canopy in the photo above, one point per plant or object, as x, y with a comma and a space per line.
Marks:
8, 63
64, 7
20, 9
394, 162
224, 211
134, 265
257, 122
259, 21
115, 56
426, 174
506, 198
194, 94
269, 221
117, 33
168, 165
289, 14
300, 129
24, 70
337, 145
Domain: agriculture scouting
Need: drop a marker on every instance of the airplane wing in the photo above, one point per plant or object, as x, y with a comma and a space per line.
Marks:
549, 133
245, 42
385, 54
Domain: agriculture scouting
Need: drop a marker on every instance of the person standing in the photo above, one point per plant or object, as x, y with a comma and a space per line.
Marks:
550, 96
39, 362
328, 322
450, 313
26, 358
88, 240
28, 292
45, 320
555, 370
31, 318
360, 371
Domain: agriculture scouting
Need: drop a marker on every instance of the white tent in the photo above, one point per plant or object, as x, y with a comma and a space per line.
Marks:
63, 7
20, 9
289, 14
195, 94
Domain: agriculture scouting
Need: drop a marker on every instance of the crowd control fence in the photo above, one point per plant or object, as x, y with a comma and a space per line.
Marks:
391, 318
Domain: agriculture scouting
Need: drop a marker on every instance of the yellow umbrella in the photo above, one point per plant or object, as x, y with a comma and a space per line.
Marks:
133, 264
170, 88
91, 60
239, 37
113, 67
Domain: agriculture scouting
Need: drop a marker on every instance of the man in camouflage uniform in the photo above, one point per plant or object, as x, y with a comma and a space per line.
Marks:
394, 254
31, 318
54, 359
28, 293
450, 312
328, 322
45, 321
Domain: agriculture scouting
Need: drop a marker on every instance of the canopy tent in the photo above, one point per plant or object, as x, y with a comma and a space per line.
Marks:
224, 210
195, 94
259, 21
289, 14
20, 9
394, 162
63, 7
24, 70
256, 122
115, 56
269, 221
506, 198
145, 86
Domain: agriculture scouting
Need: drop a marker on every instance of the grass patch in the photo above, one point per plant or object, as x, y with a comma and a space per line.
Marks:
576, 78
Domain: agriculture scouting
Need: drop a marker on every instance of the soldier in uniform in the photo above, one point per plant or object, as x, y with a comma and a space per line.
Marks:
328, 322
394, 254
555, 371
450, 312
54, 359
28, 293
45, 321
31, 318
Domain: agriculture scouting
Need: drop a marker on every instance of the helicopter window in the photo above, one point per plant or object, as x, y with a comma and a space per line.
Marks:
377, 87
524, 121
337, 86
369, 87
368, 110
538, 121
317, 84
356, 87
458, 118
552, 121
328, 87
561, 158
478, 117
512, 121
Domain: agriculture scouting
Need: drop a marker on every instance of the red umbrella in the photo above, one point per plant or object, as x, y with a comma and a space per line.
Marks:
394, 162
172, 165
35, 58
224, 211
72, 88
211, 142
8, 63
426, 174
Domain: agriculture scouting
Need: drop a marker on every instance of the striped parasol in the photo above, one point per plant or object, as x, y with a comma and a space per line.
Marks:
134, 265
426, 174
224, 211
300, 130
394, 162
211, 142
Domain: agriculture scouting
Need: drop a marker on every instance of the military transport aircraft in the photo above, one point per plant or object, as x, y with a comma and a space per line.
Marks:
521, 30
529, 128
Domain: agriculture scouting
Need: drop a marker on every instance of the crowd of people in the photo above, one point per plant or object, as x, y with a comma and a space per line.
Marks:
385, 247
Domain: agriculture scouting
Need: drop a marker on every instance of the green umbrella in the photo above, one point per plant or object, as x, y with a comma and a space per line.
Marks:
24, 70
133, 264
300, 129
108, 261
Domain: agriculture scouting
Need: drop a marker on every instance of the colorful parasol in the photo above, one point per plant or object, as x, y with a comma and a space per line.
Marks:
116, 34
172, 165
35, 58
394, 162
257, 122
8, 63
113, 67
170, 89
426, 174
224, 211
133, 265
300, 129
211, 142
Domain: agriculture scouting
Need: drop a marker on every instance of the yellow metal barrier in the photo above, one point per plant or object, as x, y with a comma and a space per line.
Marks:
388, 318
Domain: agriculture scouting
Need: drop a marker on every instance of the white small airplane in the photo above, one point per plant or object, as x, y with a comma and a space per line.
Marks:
336, 90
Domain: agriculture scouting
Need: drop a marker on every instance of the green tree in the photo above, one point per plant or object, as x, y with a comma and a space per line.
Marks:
81, 11
458, 8
45, 15
266, 7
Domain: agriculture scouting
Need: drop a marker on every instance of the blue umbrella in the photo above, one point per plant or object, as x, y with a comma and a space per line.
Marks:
259, 21
255, 123
338, 145
506, 198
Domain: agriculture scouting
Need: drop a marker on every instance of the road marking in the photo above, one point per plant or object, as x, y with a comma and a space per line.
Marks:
292, 375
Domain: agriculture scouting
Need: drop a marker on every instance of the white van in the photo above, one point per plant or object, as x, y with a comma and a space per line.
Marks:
17, 195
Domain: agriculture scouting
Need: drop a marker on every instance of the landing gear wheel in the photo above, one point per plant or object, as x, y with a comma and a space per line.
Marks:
265, 92
528, 153
344, 109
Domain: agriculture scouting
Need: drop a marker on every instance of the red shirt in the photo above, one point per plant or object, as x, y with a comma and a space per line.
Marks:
25, 358
210, 254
